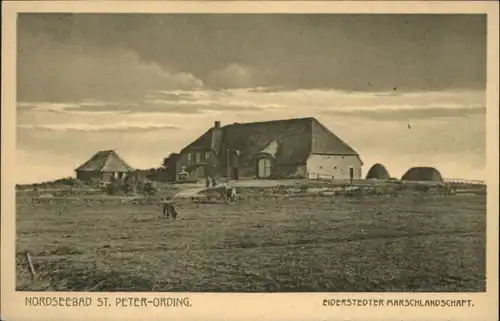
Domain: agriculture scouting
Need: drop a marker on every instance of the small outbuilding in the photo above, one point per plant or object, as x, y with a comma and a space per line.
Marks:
378, 171
429, 174
104, 165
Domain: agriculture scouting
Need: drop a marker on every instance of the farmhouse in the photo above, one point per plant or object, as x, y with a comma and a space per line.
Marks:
289, 148
104, 165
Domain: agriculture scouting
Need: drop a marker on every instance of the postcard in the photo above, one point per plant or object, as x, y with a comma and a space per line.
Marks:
221, 160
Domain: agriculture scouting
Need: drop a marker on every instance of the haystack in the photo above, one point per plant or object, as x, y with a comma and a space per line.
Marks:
428, 174
378, 171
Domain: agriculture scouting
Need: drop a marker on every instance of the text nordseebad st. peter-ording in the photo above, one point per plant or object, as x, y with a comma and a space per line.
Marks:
126, 302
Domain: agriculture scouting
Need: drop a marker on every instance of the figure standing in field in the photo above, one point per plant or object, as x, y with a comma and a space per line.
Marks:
168, 209
223, 192
165, 212
173, 212
214, 181
207, 183
231, 195
228, 193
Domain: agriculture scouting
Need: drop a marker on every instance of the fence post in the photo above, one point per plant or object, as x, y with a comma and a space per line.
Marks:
30, 263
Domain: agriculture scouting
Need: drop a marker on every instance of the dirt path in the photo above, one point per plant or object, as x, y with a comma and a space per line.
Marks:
189, 192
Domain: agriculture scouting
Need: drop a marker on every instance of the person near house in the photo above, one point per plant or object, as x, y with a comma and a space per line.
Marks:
228, 193
231, 195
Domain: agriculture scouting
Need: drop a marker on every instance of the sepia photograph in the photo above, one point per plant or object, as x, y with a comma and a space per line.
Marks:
179, 158
251, 153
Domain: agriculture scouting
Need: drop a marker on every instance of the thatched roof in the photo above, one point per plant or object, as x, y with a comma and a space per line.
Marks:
422, 174
105, 161
296, 138
378, 171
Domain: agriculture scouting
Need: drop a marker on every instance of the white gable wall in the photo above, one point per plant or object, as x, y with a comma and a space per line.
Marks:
333, 166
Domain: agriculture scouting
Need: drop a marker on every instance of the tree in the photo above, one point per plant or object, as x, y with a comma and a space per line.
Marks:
164, 164
166, 160
148, 188
112, 189
126, 187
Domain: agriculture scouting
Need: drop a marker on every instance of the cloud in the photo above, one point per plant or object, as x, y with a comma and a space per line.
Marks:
50, 71
234, 76
114, 126
168, 102
357, 52
335, 102
407, 114
159, 108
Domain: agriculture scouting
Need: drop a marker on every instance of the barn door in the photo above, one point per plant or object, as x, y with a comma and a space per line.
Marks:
264, 167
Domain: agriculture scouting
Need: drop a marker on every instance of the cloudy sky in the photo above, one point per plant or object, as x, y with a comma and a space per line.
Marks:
148, 84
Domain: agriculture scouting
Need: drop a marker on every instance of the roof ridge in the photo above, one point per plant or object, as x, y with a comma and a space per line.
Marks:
108, 151
272, 121
103, 159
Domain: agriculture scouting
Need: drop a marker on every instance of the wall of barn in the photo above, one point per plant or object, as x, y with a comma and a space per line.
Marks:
104, 176
198, 173
245, 171
87, 175
279, 171
291, 171
192, 157
333, 166
107, 176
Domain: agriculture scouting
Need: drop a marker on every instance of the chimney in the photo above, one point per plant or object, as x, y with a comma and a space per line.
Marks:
217, 124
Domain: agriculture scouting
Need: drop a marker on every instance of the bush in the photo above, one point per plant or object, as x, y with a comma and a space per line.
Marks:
126, 187
187, 181
422, 188
112, 189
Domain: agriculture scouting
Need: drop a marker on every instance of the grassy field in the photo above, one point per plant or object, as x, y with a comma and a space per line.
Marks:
271, 244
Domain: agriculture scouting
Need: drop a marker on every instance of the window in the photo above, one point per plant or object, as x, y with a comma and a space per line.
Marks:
207, 155
198, 157
189, 157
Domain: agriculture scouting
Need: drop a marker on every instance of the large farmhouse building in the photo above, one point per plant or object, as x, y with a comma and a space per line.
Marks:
298, 148
104, 165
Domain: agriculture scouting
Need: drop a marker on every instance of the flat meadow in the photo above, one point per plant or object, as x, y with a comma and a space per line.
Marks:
376, 243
